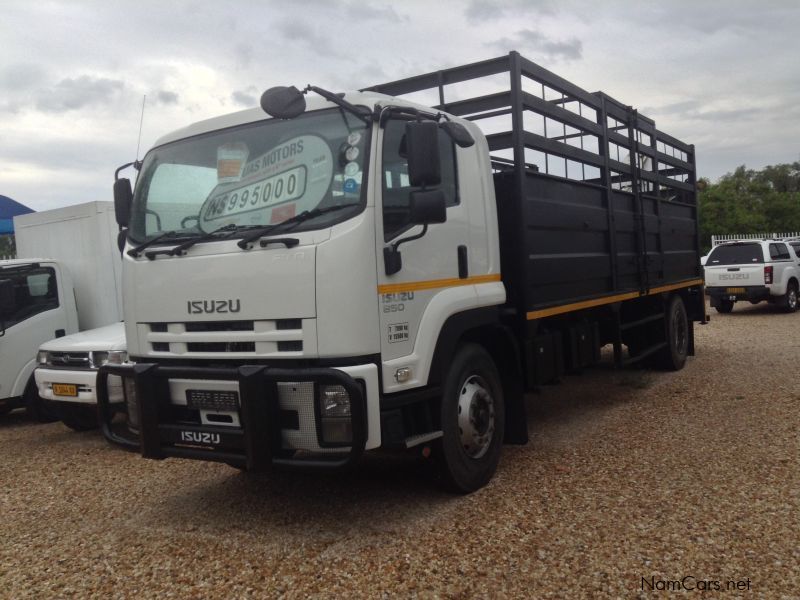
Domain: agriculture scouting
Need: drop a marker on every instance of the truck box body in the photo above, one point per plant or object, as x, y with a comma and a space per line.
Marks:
83, 238
582, 216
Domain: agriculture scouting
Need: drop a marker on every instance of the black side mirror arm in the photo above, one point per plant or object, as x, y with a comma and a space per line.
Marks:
392, 259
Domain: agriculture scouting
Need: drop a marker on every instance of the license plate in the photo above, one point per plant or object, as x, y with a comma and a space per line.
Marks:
219, 400
735, 290
65, 389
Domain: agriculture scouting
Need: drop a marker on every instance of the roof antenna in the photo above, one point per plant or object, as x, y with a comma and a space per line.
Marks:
137, 163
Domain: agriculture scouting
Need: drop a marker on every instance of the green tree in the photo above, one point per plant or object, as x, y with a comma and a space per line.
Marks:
748, 201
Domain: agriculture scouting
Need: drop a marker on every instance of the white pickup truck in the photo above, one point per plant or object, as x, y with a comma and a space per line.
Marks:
753, 270
66, 375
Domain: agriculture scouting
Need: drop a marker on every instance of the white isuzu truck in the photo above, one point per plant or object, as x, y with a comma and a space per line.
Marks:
335, 273
66, 279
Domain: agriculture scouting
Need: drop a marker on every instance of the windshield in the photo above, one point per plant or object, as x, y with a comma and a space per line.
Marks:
254, 175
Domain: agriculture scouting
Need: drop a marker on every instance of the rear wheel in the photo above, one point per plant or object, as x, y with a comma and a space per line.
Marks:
789, 299
79, 418
673, 357
724, 306
473, 419
37, 407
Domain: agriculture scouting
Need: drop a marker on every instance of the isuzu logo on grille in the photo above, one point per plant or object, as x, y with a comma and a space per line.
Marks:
200, 437
198, 307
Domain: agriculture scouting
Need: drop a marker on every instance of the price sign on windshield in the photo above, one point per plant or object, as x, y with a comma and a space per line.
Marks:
298, 171
283, 187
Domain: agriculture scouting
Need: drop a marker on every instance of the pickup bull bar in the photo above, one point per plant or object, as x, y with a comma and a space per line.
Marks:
256, 445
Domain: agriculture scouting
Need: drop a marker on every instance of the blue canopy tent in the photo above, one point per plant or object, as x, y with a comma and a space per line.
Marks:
8, 210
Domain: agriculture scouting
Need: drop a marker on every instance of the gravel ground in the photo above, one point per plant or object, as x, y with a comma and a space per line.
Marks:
629, 475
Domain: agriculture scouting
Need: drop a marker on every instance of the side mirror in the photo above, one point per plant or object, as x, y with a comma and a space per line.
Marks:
123, 197
422, 146
458, 133
8, 301
427, 206
283, 102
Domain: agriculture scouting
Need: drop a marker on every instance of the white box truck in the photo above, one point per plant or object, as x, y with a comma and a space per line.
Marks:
340, 273
66, 279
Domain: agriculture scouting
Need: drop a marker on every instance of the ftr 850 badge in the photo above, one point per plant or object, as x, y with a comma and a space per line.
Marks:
396, 302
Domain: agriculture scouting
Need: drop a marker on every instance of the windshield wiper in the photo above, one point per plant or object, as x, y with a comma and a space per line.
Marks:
294, 221
361, 112
180, 249
135, 252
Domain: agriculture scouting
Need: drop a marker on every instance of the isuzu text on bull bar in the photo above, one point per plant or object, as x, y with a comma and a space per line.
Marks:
334, 273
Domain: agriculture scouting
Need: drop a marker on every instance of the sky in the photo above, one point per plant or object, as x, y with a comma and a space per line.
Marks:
721, 74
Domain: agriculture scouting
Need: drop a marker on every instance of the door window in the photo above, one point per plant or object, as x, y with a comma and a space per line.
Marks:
35, 291
779, 252
396, 187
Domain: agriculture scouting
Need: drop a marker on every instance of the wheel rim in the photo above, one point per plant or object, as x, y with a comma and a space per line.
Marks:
792, 298
475, 416
680, 336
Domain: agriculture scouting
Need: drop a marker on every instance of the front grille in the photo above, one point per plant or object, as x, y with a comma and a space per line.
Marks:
233, 339
222, 346
193, 326
69, 359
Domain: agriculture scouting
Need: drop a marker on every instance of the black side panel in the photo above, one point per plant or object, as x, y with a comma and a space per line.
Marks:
568, 237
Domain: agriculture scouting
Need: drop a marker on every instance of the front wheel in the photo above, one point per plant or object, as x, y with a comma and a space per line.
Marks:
37, 407
79, 418
789, 300
673, 356
473, 420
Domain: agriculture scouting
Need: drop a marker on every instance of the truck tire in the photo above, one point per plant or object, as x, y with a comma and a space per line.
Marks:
724, 306
673, 357
473, 420
79, 418
37, 407
789, 299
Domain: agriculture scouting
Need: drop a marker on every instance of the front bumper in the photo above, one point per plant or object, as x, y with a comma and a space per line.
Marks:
255, 438
753, 293
83, 380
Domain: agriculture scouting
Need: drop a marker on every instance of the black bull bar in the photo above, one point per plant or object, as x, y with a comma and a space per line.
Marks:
256, 445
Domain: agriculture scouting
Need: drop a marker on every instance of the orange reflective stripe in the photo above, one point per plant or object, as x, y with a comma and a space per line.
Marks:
565, 308
416, 286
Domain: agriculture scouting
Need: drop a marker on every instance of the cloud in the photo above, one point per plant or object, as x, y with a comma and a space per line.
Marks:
540, 44
245, 98
81, 92
166, 97
297, 30
480, 11
366, 11
21, 76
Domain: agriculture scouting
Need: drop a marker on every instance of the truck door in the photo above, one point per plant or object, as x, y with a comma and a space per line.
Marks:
430, 264
37, 317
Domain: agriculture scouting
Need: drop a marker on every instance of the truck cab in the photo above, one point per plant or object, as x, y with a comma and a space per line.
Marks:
40, 305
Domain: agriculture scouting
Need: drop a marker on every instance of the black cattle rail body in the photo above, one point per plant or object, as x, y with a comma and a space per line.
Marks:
595, 205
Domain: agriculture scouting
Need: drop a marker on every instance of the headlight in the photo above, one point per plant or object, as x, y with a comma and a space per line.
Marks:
334, 411
117, 357
41, 357
114, 357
